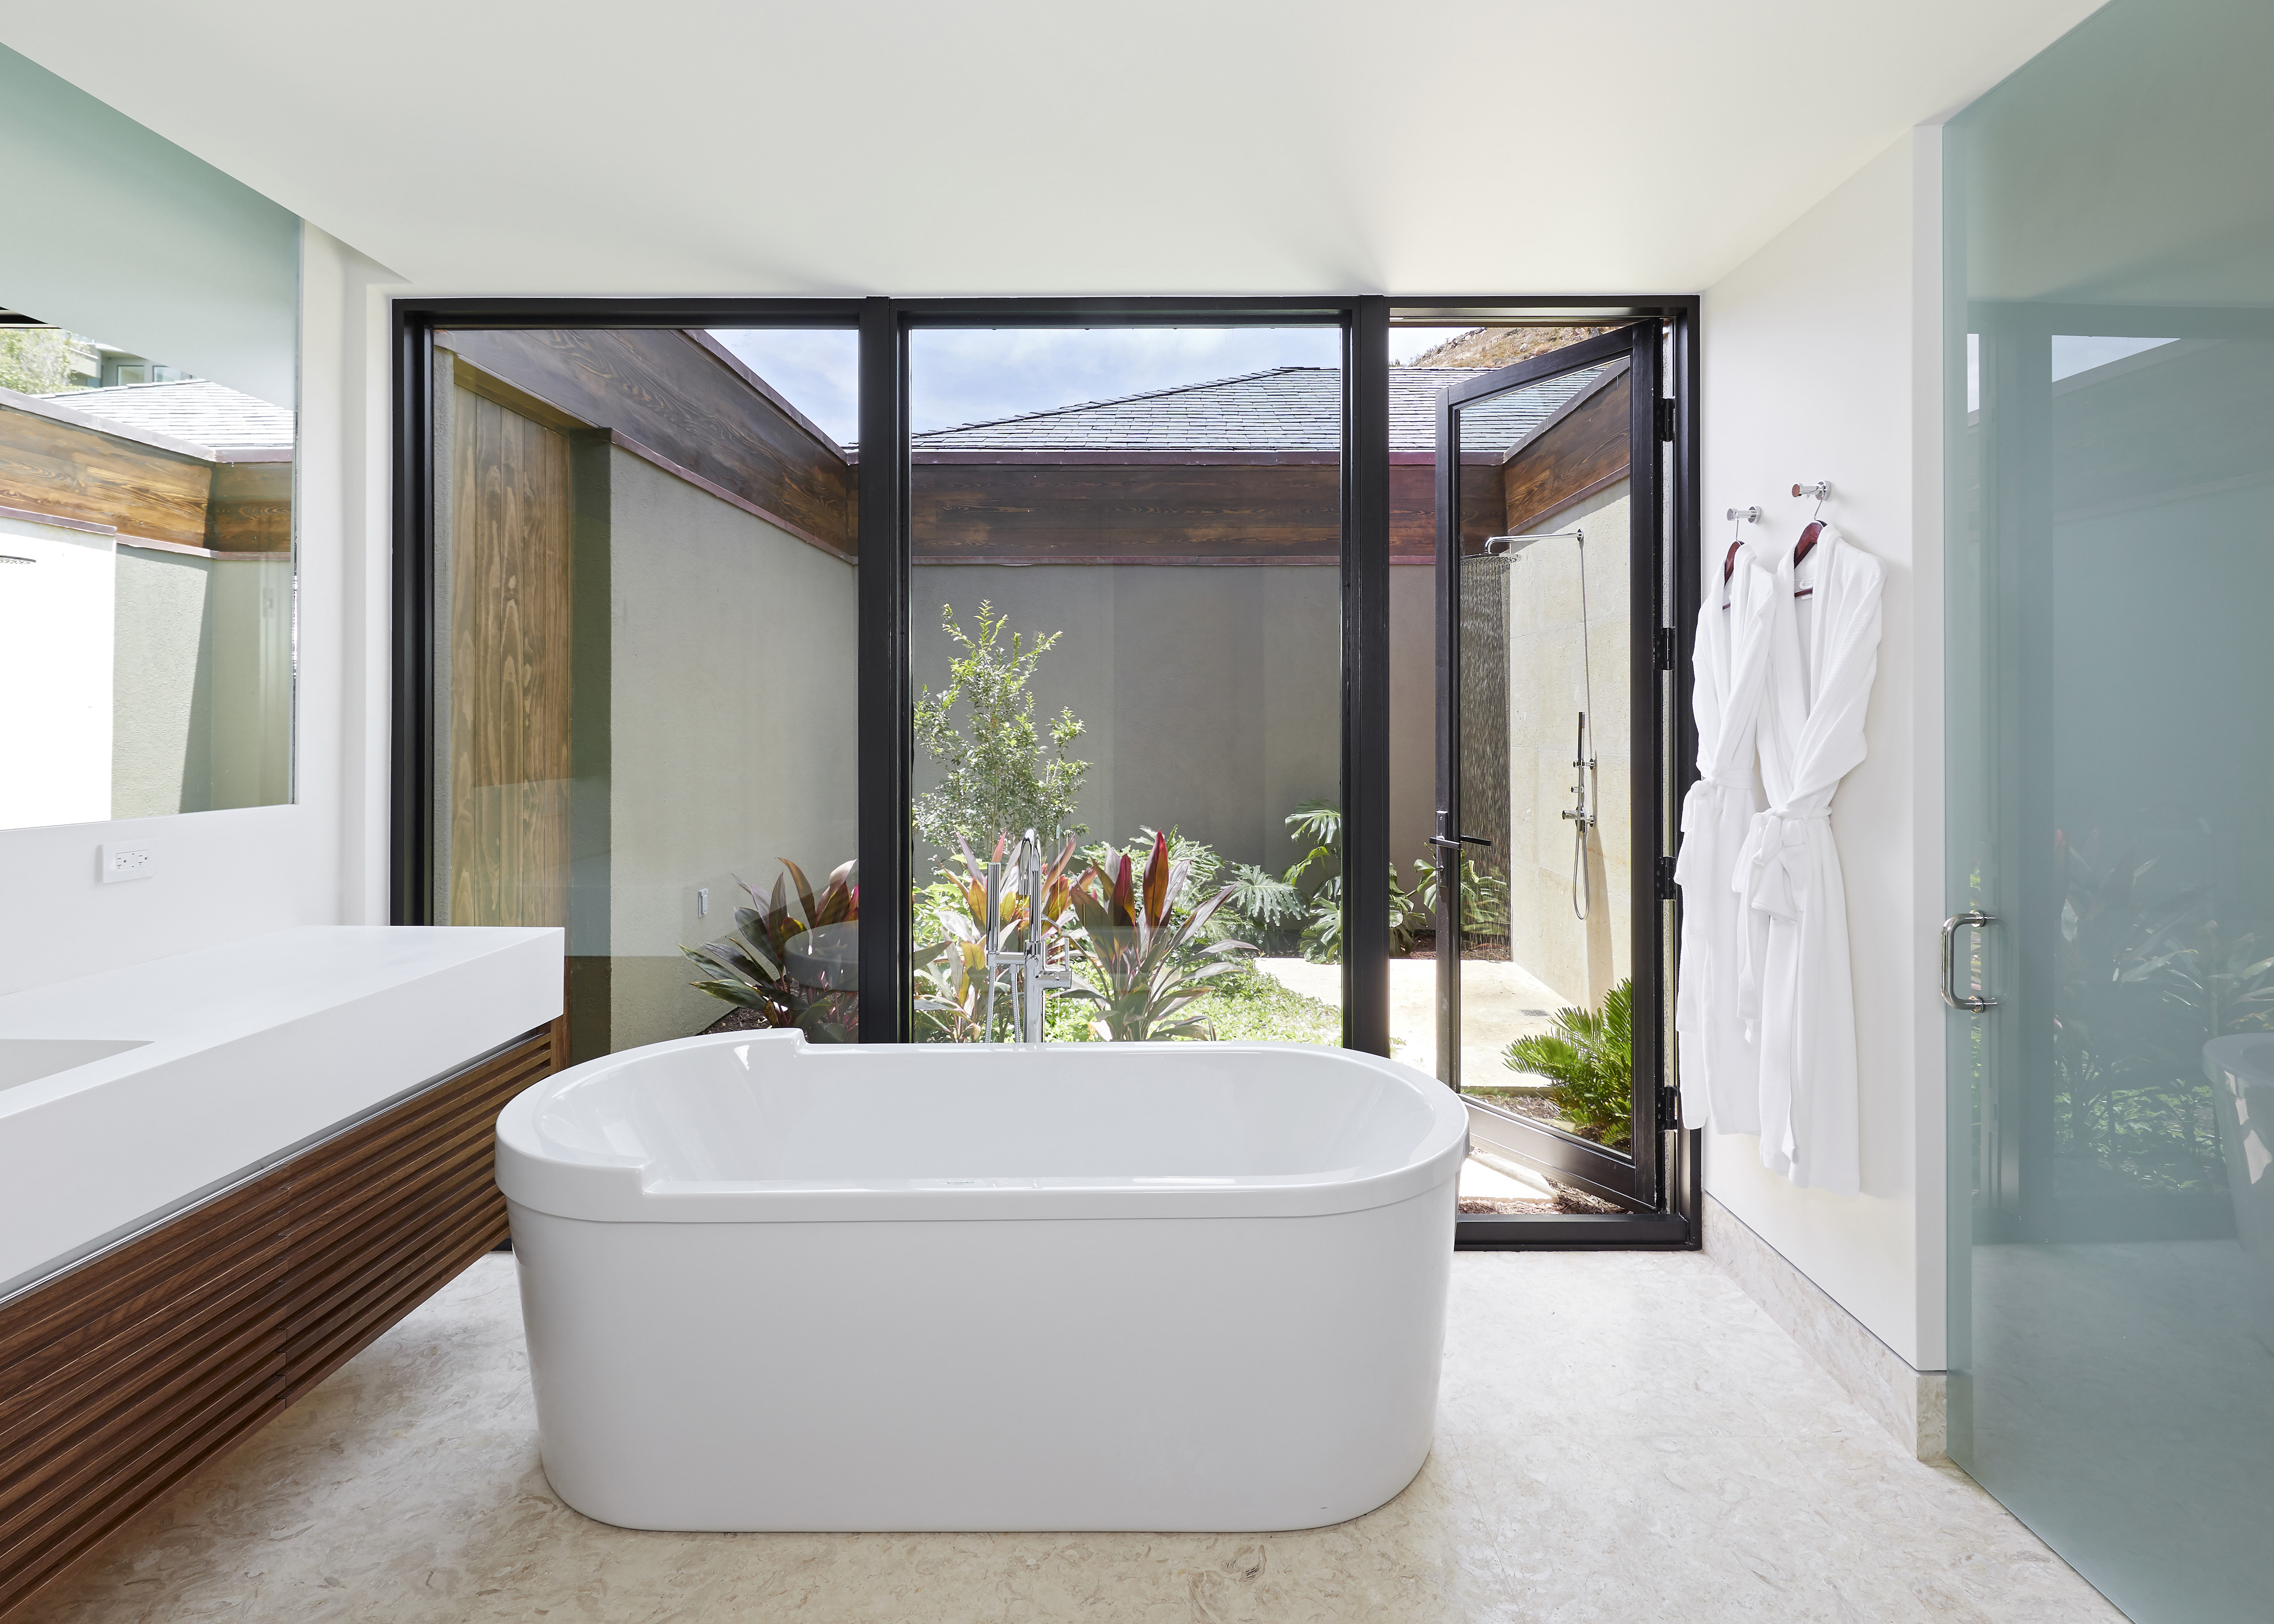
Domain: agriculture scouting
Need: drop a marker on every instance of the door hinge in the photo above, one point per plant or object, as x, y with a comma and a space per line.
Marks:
1669, 1110
1665, 648
1665, 879
1665, 420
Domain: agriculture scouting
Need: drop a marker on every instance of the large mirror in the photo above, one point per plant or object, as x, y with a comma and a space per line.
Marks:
146, 583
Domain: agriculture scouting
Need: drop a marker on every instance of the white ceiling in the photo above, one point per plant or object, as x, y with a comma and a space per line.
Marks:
1009, 146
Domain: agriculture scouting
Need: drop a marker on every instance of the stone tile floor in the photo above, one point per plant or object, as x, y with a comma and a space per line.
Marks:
1621, 1437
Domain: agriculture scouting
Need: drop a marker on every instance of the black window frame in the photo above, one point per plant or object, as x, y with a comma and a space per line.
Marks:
886, 744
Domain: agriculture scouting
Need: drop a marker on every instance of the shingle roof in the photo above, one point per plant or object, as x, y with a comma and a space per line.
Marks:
196, 409
1284, 408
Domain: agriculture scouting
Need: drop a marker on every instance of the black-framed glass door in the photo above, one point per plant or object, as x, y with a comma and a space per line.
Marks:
1551, 759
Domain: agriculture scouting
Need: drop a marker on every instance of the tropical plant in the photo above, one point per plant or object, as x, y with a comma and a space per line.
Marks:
951, 995
1270, 911
1484, 896
1146, 963
1588, 1060
1321, 824
950, 986
749, 966
998, 777
2144, 971
1202, 865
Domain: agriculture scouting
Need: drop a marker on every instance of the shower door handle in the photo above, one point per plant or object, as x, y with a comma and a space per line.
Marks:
1973, 918
1454, 842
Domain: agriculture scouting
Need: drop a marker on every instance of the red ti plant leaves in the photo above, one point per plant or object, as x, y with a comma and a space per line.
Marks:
1157, 883
1122, 904
750, 964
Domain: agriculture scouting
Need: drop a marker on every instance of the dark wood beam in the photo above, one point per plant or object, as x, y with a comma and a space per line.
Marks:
1581, 450
670, 392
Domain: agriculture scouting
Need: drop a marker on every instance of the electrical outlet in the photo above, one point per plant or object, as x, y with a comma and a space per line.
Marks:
127, 862
702, 902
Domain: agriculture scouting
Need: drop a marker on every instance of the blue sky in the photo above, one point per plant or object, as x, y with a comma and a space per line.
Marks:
972, 375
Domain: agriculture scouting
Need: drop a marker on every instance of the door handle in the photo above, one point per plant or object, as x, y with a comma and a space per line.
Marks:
1973, 918
1454, 842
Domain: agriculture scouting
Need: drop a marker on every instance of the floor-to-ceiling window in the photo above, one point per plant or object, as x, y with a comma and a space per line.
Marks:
2111, 420
643, 645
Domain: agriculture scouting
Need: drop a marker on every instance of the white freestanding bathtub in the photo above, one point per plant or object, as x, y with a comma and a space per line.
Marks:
1166, 1287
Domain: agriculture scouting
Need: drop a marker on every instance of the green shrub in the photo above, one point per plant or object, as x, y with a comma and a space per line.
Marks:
1321, 823
1589, 1061
1484, 896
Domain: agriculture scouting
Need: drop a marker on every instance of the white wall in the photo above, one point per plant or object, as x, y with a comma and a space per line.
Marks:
734, 669
1822, 361
220, 877
1558, 667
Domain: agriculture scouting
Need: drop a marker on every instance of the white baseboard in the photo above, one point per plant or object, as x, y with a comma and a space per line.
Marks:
1910, 1403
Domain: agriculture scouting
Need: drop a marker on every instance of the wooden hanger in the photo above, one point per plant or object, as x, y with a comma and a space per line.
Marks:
1807, 545
1821, 491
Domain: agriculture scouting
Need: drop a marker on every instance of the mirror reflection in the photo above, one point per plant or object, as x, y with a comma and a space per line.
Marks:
146, 584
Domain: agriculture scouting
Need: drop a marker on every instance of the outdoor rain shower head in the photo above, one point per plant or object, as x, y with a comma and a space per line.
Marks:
1509, 546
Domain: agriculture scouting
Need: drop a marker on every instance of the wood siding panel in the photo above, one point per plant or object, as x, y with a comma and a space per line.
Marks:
251, 508
1269, 512
509, 668
1582, 452
665, 390
127, 1373
57, 468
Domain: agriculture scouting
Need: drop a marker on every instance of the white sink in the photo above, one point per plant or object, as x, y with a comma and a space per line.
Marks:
27, 1060
127, 1093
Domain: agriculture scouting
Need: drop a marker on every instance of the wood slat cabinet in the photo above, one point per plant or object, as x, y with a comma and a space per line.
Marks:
123, 1375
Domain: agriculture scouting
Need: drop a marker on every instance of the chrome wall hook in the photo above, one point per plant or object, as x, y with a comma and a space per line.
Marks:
1821, 490
1750, 516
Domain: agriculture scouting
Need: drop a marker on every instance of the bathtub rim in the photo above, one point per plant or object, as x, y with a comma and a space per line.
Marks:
596, 1190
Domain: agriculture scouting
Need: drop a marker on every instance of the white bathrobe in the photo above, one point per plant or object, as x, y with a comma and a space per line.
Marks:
1720, 1071
1824, 651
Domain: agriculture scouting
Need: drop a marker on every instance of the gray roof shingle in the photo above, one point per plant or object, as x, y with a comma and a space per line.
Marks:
196, 409
1284, 408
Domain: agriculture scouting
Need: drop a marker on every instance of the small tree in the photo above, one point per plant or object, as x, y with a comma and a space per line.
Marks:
999, 778
34, 360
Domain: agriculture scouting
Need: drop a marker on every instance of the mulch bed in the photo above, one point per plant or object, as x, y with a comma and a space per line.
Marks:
740, 1019
1425, 946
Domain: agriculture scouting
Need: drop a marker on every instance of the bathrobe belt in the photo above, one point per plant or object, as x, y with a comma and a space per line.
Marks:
1771, 876
1773, 865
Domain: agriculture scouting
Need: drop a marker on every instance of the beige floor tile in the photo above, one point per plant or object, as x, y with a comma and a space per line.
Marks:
1620, 1437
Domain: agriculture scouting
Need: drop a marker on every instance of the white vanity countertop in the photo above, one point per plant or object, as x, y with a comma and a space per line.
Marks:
241, 1052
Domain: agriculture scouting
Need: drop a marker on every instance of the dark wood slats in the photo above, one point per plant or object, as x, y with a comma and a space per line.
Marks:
120, 1378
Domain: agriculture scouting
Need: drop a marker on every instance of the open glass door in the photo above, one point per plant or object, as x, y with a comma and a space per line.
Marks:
1550, 760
